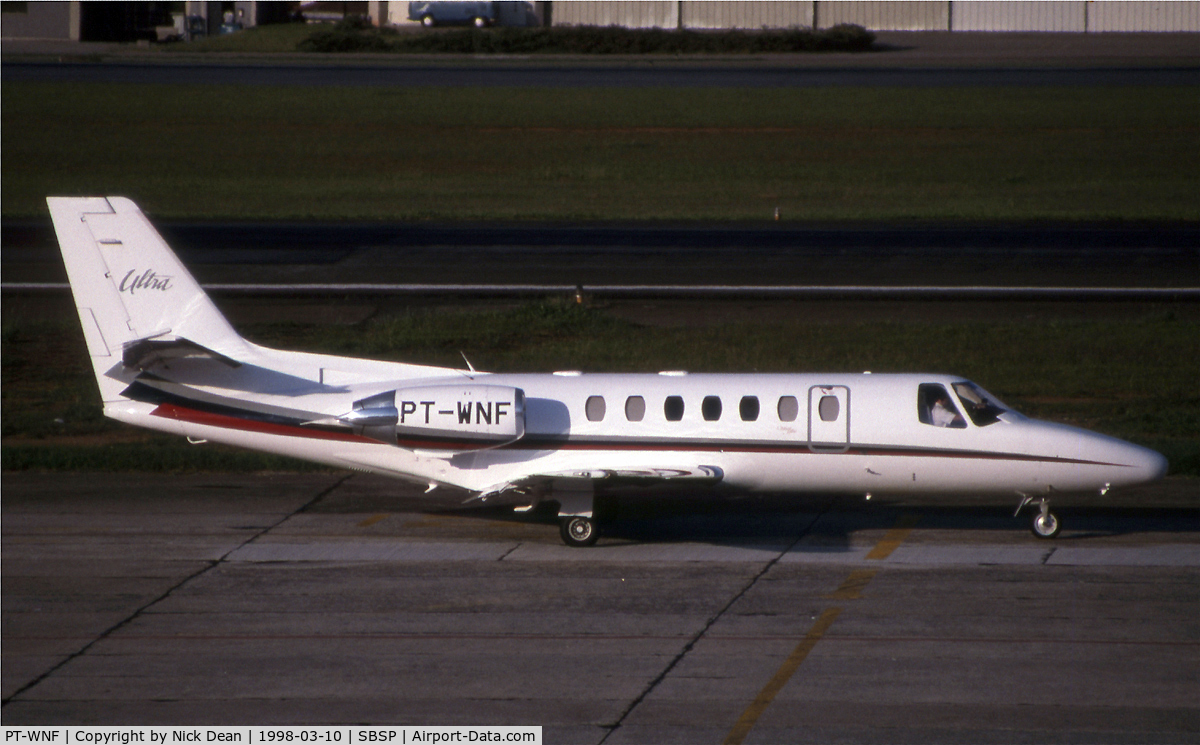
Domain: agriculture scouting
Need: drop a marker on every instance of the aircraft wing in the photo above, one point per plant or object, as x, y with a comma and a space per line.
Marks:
608, 477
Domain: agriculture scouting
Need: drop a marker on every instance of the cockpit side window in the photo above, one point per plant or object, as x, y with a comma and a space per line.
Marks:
980, 405
936, 408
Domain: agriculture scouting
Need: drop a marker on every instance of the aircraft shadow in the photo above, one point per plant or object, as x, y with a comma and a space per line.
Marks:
826, 523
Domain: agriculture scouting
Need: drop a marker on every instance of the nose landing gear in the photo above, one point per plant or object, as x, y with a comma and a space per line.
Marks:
1045, 524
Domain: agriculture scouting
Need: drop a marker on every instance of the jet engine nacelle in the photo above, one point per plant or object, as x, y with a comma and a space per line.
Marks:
442, 417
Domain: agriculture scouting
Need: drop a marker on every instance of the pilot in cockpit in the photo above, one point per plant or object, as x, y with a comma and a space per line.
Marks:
943, 413
938, 409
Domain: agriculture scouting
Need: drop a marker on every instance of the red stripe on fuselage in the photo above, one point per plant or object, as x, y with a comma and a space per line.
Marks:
184, 414
181, 413
799, 448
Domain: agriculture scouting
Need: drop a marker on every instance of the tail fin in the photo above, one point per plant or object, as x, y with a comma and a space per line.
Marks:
131, 290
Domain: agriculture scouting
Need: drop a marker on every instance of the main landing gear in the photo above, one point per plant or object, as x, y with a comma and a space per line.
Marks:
579, 531
576, 511
1045, 524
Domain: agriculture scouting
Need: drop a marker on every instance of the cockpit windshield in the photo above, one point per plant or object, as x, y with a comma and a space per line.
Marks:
981, 406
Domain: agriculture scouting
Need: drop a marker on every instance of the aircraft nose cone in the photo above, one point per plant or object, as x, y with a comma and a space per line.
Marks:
1154, 465
1126, 464
1144, 464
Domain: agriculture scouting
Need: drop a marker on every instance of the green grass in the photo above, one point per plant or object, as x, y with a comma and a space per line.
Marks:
599, 154
1133, 378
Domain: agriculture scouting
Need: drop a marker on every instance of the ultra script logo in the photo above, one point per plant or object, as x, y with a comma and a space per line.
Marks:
147, 280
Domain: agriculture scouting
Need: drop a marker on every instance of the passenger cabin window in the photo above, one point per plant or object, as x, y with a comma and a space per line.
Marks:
635, 408
788, 409
595, 408
673, 408
829, 408
936, 408
710, 408
748, 408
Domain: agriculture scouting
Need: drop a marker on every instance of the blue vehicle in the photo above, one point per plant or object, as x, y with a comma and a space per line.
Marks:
478, 14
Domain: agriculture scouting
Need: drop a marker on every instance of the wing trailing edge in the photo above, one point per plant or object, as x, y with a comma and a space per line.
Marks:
607, 478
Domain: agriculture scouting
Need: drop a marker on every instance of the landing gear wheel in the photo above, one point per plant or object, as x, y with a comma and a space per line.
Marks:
479, 22
579, 532
1045, 524
427, 21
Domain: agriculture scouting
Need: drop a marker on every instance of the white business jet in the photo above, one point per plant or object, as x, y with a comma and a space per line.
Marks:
165, 358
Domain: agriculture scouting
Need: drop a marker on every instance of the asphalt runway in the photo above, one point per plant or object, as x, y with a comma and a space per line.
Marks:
327, 598
559, 75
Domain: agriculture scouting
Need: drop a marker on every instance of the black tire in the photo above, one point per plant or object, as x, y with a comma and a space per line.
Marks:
1047, 526
579, 532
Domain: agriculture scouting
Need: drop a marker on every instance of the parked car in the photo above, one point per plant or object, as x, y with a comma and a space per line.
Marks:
478, 14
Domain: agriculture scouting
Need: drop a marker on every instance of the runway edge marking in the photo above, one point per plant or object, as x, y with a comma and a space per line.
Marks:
850, 589
708, 625
894, 537
785, 672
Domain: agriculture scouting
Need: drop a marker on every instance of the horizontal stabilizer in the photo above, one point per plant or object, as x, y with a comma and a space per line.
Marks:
144, 354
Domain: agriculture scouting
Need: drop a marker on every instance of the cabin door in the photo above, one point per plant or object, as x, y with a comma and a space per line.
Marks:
829, 418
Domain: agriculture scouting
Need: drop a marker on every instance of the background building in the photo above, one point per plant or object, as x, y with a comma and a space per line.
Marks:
876, 15
129, 21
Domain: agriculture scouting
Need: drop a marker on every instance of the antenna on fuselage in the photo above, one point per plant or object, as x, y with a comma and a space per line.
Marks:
469, 365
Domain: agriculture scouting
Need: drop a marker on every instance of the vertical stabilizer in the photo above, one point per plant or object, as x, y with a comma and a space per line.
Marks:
129, 287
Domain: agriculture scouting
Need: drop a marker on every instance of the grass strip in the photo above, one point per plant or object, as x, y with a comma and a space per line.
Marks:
284, 152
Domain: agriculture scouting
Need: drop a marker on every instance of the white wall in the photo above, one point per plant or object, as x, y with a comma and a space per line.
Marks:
1117, 15
717, 14
58, 21
627, 13
1018, 15
887, 15
902, 15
